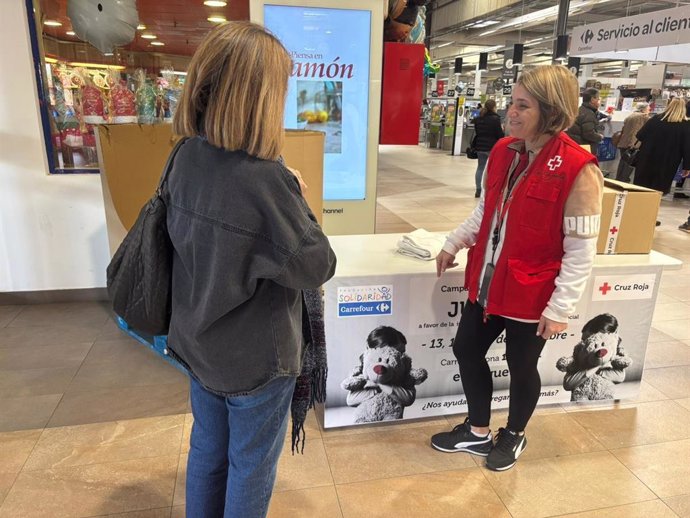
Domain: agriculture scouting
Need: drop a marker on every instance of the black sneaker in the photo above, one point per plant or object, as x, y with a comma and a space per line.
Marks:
509, 446
685, 227
461, 438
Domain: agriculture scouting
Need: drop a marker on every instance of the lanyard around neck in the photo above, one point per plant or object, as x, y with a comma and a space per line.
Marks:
515, 175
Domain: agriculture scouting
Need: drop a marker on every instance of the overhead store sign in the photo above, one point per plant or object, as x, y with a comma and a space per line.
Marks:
659, 28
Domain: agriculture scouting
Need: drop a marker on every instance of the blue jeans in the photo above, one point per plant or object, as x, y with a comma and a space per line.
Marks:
482, 158
234, 450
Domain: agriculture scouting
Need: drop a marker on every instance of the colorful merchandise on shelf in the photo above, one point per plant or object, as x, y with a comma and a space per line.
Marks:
92, 105
145, 99
172, 89
123, 108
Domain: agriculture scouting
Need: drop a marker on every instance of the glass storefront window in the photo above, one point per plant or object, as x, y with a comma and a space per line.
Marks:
80, 87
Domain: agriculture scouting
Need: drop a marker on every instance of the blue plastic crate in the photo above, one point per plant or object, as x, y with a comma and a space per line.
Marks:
606, 150
158, 344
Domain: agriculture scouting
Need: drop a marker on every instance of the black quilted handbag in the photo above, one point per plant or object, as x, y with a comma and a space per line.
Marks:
629, 156
139, 276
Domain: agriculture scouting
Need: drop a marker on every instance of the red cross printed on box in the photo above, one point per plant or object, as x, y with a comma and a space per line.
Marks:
555, 162
613, 230
605, 288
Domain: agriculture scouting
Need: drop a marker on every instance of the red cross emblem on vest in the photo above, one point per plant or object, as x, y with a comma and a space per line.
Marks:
613, 230
555, 162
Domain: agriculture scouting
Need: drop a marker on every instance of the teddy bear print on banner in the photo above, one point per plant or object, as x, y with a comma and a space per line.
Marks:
598, 361
383, 383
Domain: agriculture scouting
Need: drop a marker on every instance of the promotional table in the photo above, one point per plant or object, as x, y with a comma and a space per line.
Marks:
375, 286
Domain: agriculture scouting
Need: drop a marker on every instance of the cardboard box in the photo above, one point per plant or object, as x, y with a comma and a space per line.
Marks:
628, 218
304, 151
132, 157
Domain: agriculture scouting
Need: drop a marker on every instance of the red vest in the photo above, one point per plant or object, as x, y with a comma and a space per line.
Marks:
530, 259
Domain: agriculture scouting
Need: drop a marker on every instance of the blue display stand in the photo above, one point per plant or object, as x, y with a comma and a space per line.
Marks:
158, 344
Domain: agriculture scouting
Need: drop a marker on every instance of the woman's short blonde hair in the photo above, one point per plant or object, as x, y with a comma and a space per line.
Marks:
556, 90
234, 93
675, 111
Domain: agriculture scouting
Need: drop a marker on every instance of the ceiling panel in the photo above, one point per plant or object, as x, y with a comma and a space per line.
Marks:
179, 24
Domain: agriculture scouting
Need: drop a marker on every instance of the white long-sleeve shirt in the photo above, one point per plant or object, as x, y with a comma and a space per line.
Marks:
581, 221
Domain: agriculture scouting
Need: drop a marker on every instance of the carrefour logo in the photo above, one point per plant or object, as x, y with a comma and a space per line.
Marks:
358, 301
587, 36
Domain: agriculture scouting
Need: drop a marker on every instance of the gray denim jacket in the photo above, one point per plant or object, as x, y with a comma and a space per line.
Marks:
246, 244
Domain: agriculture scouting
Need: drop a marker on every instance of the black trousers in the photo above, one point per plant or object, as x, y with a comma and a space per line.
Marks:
523, 348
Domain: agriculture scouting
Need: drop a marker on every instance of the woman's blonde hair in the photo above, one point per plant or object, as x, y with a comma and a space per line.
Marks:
675, 111
234, 93
556, 90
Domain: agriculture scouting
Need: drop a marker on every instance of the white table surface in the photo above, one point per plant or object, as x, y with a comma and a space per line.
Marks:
374, 254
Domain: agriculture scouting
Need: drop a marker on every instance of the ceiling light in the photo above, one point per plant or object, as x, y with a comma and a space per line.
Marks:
157, 43
543, 15
96, 65
107, 53
141, 27
149, 36
52, 23
215, 3
480, 25
50, 60
70, 33
217, 18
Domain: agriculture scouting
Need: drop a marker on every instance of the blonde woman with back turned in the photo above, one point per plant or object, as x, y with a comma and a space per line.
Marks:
246, 244
665, 143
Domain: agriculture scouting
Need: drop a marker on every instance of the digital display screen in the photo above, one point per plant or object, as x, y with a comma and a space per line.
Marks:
328, 89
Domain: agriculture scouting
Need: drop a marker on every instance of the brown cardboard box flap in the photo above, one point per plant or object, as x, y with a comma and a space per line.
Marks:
622, 186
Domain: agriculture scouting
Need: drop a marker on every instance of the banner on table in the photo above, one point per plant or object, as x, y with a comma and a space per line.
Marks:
420, 320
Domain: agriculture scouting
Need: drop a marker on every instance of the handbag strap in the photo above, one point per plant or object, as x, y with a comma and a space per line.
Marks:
169, 164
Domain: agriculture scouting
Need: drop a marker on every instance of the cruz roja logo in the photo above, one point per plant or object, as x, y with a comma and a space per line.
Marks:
555, 162
587, 36
624, 287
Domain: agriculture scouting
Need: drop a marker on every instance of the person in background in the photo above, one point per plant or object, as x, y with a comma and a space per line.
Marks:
506, 126
685, 227
586, 126
532, 240
245, 246
664, 143
488, 130
632, 124
680, 184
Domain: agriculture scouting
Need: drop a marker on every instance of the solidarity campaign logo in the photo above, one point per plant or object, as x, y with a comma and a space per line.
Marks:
587, 36
358, 301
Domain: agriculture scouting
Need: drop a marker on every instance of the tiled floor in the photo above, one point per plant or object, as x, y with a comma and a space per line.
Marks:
93, 424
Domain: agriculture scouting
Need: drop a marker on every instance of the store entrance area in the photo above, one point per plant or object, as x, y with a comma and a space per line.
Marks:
92, 423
